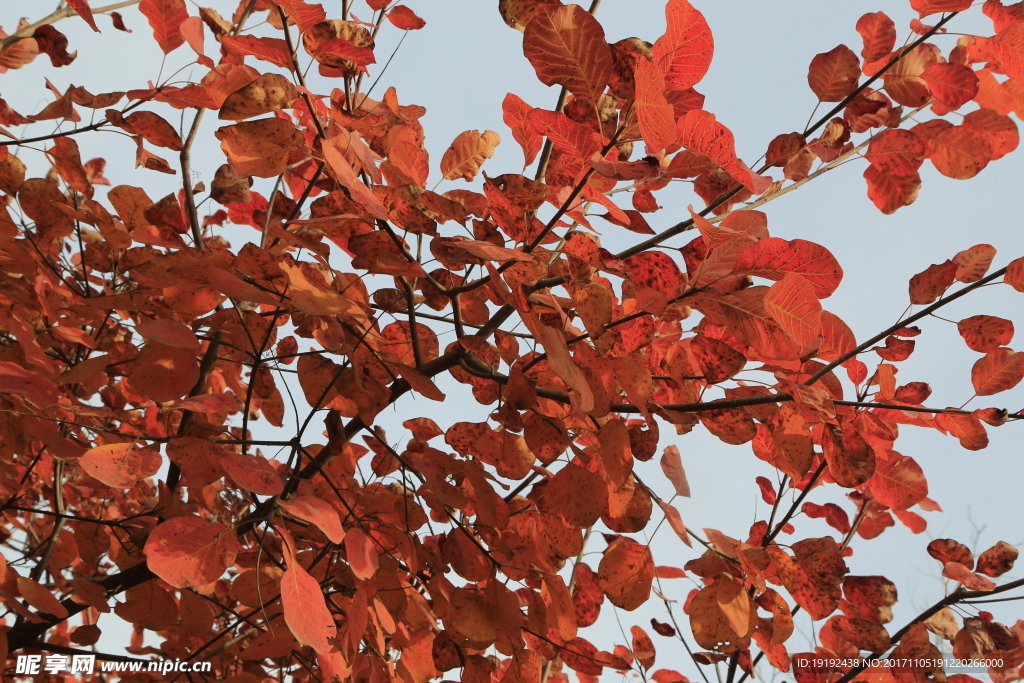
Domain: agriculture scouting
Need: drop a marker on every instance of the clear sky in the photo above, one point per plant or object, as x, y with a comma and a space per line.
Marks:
461, 66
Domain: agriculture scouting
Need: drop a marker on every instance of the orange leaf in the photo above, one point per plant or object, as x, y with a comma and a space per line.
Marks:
626, 573
970, 580
655, 115
973, 263
773, 258
899, 483
40, 597
165, 17
273, 50
929, 284
566, 46
794, 307
833, 75
252, 472
985, 333
899, 152
560, 362
467, 154
303, 13
879, 34
405, 19
953, 85
169, 333
316, 511
999, 370
189, 551
672, 466
361, 553
1008, 48
684, 53
120, 465
890, 192
577, 495
164, 373
515, 112
305, 609
675, 520
260, 148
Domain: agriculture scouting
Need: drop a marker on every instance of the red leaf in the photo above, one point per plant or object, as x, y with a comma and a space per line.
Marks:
361, 553
966, 428
773, 258
898, 152
913, 521
515, 114
405, 19
566, 135
334, 50
953, 85
699, 131
929, 284
273, 50
970, 580
1008, 48
973, 263
655, 115
998, 129
985, 333
346, 175
165, 17
793, 305
567, 47
716, 360
959, 152
684, 53
303, 13
189, 551
34, 386
767, 490
999, 370
890, 192
879, 34
305, 609
1015, 274
899, 483
120, 465
997, 560
81, 7
926, 7
833, 75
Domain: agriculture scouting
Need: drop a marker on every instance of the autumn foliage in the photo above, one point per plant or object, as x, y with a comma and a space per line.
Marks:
139, 349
